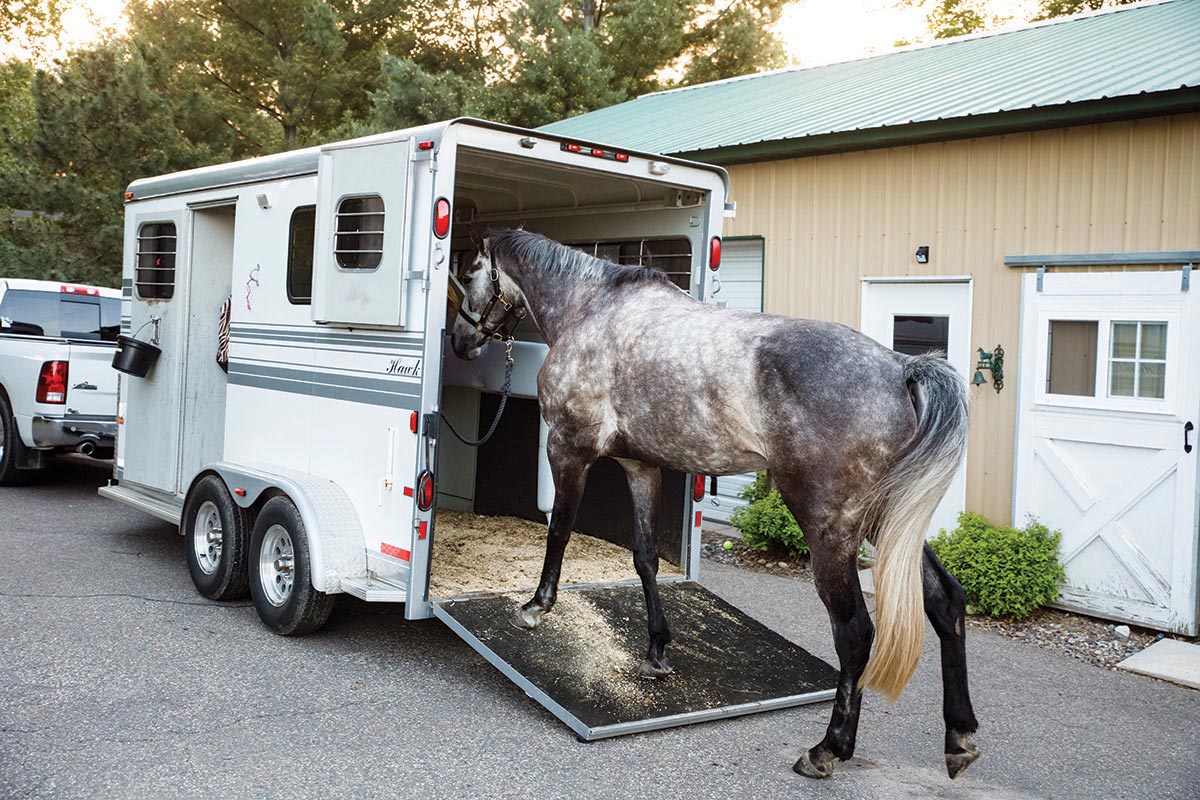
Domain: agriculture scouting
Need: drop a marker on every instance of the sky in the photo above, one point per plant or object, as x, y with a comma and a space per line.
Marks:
814, 31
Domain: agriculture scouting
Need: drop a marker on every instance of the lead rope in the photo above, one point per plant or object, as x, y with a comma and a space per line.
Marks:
504, 392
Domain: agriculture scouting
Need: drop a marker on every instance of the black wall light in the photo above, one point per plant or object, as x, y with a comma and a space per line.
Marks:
923, 254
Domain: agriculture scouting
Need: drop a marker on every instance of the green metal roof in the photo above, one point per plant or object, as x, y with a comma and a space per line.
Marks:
1131, 61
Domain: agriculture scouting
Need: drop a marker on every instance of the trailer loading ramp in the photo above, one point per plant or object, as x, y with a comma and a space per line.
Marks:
581, 662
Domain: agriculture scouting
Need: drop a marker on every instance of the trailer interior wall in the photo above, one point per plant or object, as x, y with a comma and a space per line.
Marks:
577, 206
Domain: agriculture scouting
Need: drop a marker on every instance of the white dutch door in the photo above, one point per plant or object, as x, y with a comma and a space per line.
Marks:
1106, 445
922, 316
741, 287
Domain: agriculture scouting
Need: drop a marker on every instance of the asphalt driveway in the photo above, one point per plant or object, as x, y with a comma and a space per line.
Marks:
118, 680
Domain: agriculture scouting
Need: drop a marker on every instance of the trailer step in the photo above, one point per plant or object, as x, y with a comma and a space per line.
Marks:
375, 589
168, 510
581, 662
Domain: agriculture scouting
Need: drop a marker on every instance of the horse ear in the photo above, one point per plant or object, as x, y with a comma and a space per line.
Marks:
476, 235
521, 227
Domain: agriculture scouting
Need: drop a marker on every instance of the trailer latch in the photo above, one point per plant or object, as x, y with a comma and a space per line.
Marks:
430, 420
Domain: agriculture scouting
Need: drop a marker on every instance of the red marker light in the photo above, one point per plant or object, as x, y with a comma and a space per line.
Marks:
425, 491
698, 488
441, 220
574, 148
426, 145
621, 156
412, 422
714, 253
240, 492
596, 151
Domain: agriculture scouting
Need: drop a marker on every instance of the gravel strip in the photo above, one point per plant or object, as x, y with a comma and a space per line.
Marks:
1095, 641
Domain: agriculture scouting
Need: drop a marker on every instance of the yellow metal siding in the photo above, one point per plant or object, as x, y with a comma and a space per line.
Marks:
829, 221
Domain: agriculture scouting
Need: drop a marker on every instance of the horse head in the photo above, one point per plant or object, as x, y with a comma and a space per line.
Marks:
490, 303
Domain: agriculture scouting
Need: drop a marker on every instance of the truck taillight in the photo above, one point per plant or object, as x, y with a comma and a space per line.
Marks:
698, 488
441, 217
714, 253
52, 382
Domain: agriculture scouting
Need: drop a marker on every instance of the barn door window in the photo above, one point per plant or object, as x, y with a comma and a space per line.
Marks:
918, 335
1137, 363
358, 236
1071, 363
155, 265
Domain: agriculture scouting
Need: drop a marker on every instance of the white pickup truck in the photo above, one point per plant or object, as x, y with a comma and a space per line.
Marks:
58, 390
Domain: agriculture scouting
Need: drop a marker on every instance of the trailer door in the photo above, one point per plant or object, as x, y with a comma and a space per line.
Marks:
581, 662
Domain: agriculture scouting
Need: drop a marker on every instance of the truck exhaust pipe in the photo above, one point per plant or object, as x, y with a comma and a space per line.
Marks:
86, 448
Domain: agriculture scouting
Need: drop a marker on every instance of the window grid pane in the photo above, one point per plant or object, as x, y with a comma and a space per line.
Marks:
1138, 360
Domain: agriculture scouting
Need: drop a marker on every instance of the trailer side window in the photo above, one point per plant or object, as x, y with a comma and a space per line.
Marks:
301, 241
155, 266
358, 236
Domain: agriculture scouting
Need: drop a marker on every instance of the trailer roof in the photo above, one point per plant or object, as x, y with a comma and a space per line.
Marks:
296, 163
1119, 63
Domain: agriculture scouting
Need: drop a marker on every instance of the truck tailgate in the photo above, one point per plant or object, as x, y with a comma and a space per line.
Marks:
91, 380
581, 662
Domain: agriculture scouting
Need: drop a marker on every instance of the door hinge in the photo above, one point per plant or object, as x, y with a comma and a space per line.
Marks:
1186, 281
1041, 273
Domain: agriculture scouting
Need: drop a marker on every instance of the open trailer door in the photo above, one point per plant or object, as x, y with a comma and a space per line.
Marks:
581, 662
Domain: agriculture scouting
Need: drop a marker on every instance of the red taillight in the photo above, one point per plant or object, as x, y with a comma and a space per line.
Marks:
714, 253
698, 488
52, 382
441, 217
425, 491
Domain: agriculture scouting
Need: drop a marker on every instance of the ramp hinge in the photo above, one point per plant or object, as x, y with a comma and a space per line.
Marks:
1185, 284
1041, 273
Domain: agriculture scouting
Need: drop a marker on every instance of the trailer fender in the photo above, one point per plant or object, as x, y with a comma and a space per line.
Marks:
335, 540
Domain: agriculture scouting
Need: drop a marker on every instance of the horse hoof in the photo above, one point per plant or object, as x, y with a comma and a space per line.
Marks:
821, 768
652, 670
528, 616
957, 762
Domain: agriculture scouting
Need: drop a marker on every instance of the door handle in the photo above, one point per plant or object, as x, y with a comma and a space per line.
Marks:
1187, 429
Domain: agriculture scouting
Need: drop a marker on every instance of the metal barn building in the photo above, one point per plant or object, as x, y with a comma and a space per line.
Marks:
1027, 200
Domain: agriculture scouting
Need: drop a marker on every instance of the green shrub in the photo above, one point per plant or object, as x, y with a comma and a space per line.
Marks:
1004, 571
765, 521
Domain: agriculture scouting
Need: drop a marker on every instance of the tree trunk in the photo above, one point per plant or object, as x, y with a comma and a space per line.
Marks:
289, 136
589, 15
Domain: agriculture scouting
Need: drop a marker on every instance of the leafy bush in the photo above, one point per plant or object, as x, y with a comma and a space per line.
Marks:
1004, 571
765, 521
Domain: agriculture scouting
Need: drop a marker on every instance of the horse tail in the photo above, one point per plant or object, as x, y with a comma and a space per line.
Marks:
899, 512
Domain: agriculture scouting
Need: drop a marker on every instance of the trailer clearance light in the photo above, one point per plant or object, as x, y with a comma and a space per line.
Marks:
594, 152
714, 253
426, 145
52, 383
698, 488
412, 422
441, 217
425, 490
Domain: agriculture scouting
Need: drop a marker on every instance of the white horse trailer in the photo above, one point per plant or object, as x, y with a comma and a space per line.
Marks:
313, 466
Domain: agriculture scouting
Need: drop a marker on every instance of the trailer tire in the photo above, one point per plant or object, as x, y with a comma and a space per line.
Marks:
281, 572
215, 531
10, 446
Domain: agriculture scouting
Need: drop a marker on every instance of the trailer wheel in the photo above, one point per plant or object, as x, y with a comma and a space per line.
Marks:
215, 530
10, 446
280, 572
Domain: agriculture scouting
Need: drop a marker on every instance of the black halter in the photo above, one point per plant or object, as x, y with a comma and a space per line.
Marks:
503, 329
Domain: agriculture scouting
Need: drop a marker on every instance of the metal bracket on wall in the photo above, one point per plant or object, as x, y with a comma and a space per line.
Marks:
1041, 273
1186, 281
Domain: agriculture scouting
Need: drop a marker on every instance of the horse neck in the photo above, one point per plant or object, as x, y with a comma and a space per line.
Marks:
553, 299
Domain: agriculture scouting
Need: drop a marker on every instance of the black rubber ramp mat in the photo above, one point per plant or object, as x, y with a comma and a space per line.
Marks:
582, 661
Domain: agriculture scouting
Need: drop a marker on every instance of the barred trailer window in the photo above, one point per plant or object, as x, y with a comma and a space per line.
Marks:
155, 266
358, 237
672, 256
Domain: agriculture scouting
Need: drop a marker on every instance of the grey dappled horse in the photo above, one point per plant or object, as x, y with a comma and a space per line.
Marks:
861, 441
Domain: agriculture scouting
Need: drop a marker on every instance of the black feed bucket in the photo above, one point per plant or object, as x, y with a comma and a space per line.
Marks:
134, 357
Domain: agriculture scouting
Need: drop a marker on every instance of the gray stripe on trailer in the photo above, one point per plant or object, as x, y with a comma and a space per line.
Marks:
406, 402
322, 337
314, 376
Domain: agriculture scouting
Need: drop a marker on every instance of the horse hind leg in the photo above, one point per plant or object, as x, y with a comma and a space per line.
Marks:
570, 476
945, 605
645, 486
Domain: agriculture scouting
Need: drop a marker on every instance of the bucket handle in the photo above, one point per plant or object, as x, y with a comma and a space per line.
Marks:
154, 320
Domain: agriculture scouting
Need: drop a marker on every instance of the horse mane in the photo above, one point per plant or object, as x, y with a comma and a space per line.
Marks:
529, 247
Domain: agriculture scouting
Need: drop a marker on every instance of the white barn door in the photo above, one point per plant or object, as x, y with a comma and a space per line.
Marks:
919, 316
741, 287
1110, 380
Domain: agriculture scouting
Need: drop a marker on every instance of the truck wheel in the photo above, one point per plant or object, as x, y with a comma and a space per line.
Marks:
281, 572
10, 446
215, 530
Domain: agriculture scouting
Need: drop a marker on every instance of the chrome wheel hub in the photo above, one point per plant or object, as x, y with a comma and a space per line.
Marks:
276, 565
208, 537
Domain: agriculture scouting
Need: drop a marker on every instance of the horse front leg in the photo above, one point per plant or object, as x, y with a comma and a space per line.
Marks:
645, 485
945, 605
569, 469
